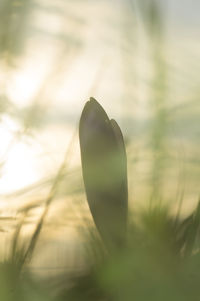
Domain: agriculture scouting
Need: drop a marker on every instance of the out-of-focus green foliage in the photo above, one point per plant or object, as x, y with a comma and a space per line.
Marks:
154, 265
13, 24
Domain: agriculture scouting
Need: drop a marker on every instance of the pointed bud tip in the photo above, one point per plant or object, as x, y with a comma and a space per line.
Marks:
92, 105
92, 99
92, 102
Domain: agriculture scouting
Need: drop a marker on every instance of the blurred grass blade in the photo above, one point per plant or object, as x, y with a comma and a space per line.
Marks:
104, 167
192, 231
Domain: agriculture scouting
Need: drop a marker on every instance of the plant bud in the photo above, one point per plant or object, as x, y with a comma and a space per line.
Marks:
104, 168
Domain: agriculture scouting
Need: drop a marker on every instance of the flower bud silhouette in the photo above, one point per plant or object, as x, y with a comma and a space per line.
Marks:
104, 168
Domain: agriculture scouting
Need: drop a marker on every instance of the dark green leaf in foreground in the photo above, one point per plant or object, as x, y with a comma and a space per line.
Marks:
104, 168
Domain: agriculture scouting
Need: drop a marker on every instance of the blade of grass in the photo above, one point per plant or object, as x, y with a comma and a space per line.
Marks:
50, 197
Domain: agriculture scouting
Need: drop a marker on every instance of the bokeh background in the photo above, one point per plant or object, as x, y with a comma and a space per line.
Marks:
140, 60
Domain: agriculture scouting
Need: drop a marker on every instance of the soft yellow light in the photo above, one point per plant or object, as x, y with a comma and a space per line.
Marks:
18, 167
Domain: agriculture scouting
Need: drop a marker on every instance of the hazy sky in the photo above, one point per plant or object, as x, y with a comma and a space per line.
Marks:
182, 12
